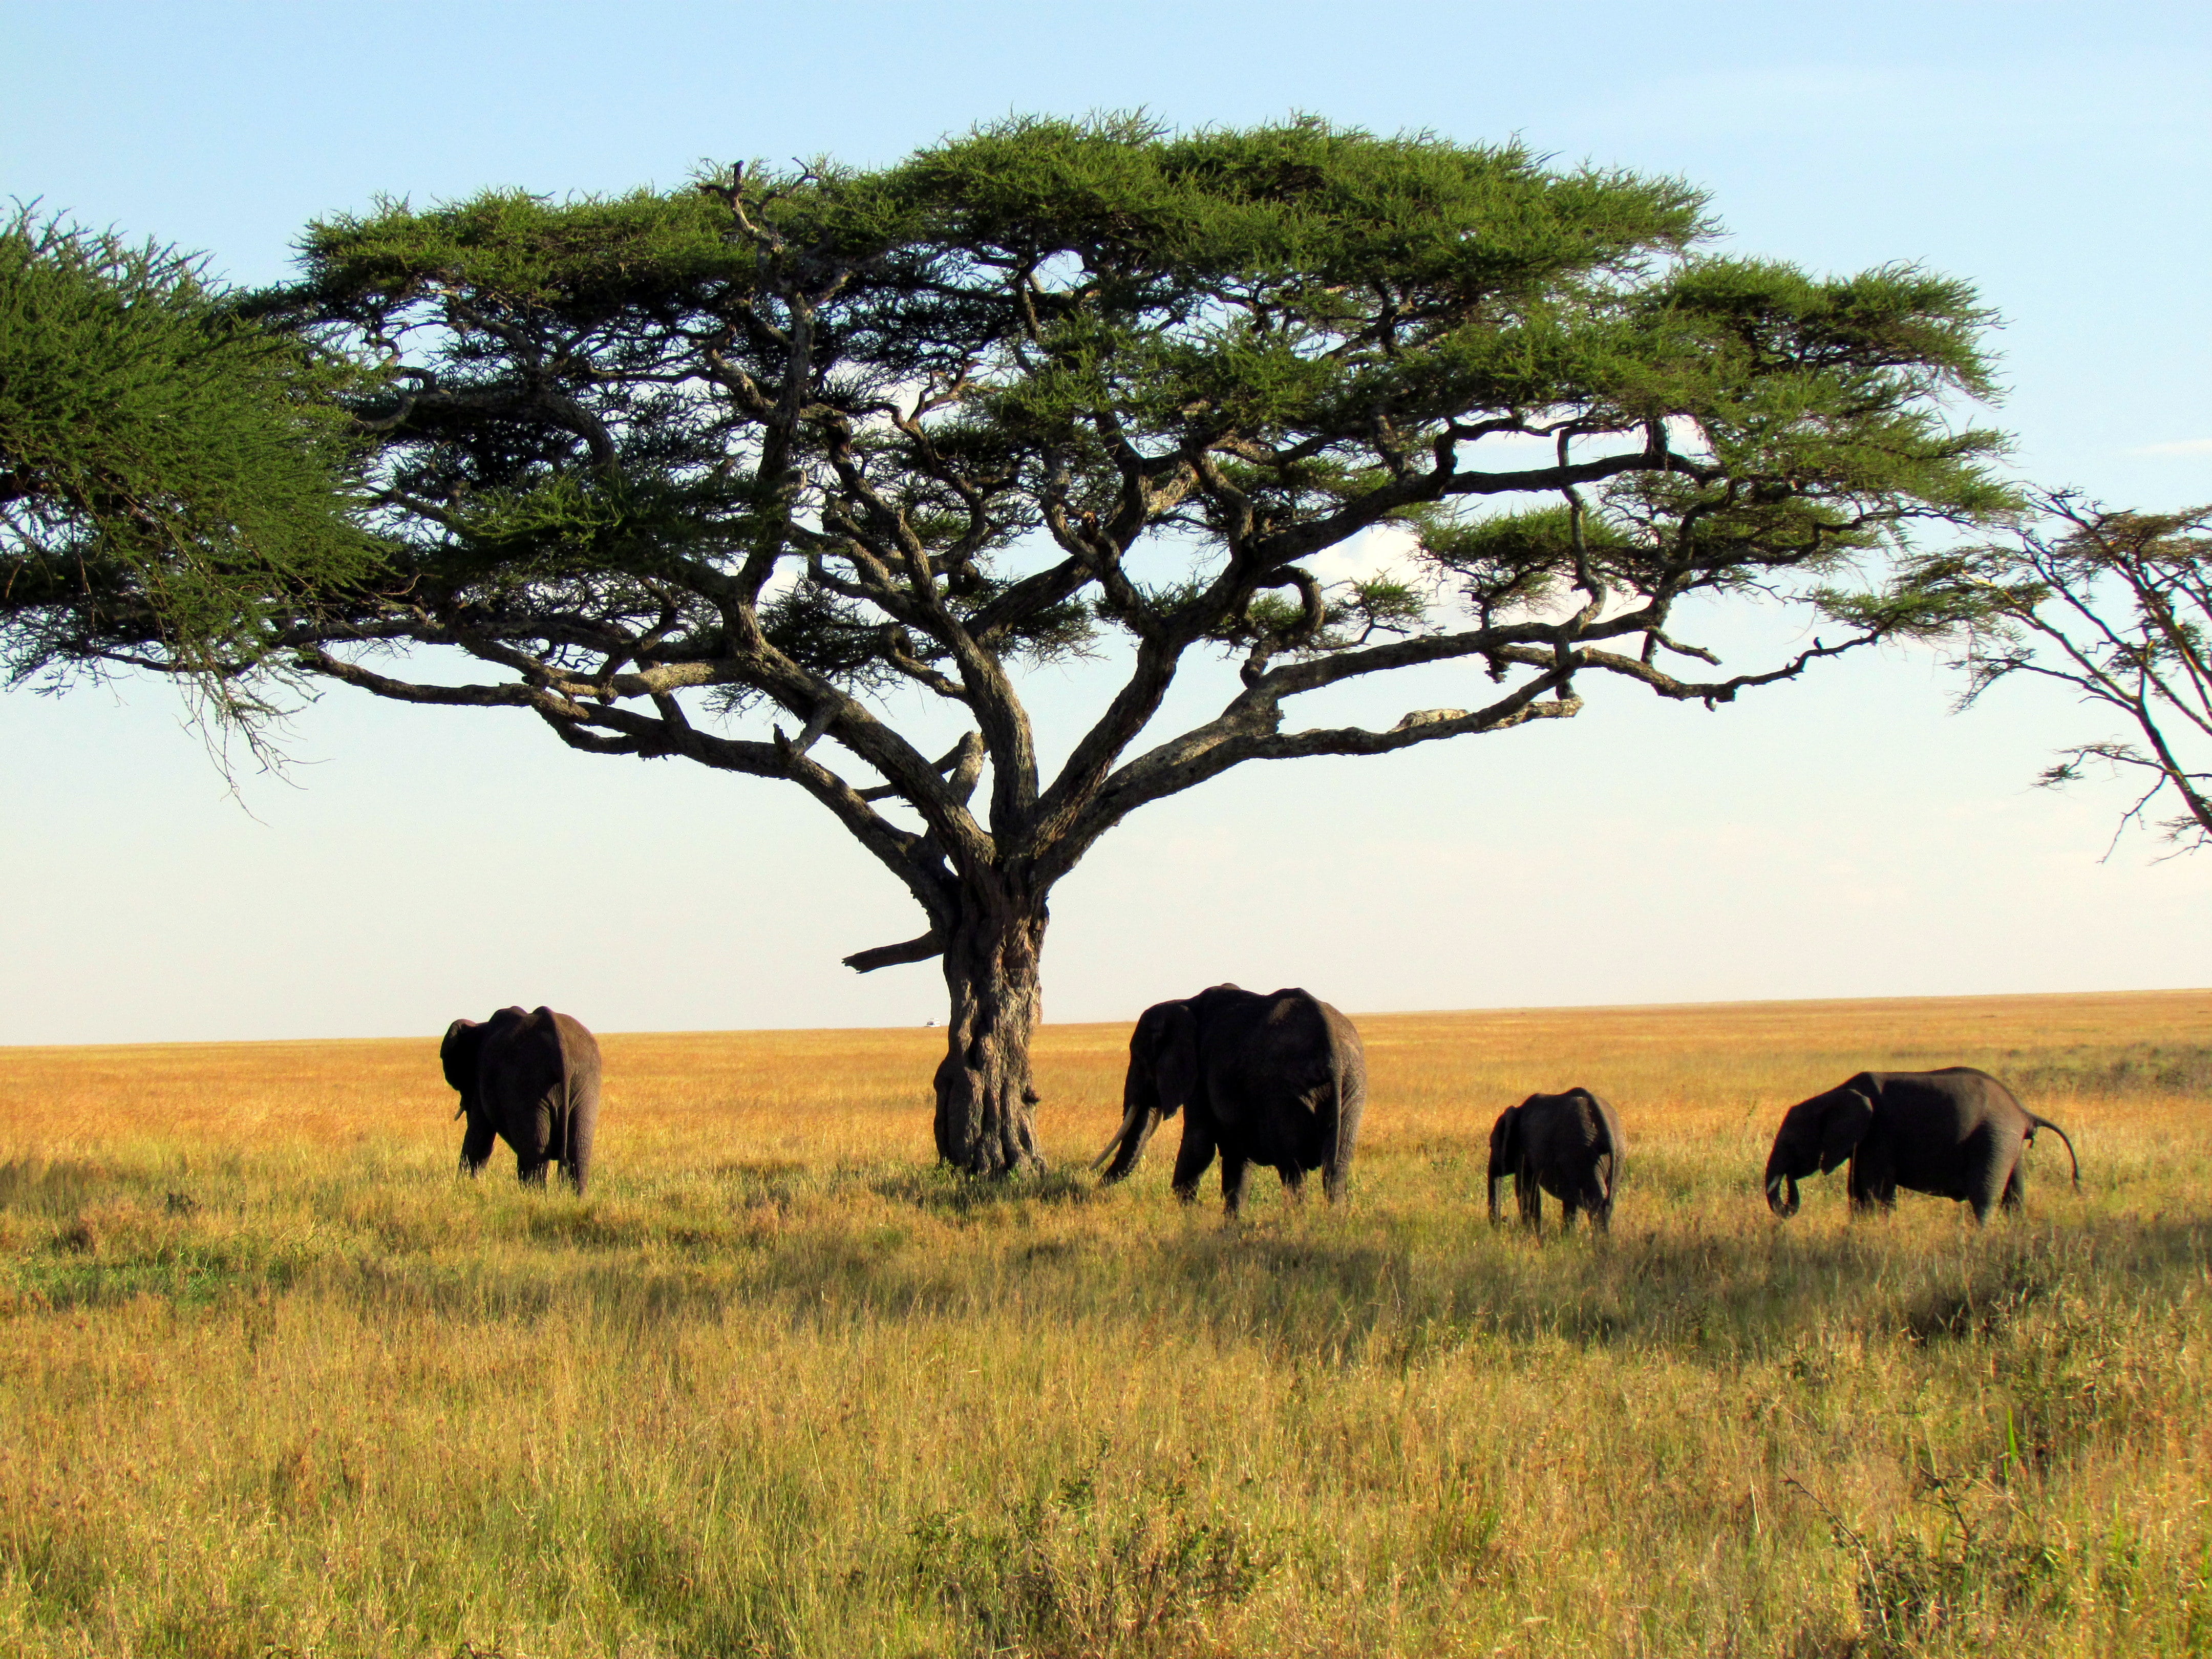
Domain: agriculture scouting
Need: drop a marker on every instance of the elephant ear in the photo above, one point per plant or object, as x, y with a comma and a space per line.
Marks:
1504, 1155
1505, 1140
1174, 1057
1845, 1116
459, 1053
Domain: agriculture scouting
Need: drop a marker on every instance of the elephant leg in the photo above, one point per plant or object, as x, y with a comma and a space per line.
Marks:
1192, 1158
1599, 1202
1993, 1167
475, 1147
1530, 1192
530, 1132
1871, 1182
2015, 1189
1569, 1200
1294, 1181
1234, 1168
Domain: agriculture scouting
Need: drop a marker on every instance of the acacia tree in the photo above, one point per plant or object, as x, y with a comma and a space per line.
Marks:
169, 470
707, 474
2116, 606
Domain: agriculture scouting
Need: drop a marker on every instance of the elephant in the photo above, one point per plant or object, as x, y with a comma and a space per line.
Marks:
1957, 1133
1568, 1145
532, 1079
1278, 1080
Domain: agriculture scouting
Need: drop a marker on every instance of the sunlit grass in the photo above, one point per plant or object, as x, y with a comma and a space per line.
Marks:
273, 1379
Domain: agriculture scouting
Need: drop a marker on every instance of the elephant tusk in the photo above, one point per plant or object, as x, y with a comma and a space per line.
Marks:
1114, 1143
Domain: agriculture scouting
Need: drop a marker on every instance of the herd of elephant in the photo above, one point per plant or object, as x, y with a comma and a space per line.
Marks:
1280, 1080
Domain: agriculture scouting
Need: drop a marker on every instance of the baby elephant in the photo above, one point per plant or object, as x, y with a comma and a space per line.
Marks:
532, 1080
1568, 1145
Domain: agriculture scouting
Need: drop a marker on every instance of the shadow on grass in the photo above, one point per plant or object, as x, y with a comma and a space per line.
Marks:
872, 1242
1748, 1295
187, 1274
943, 1192
64, 1186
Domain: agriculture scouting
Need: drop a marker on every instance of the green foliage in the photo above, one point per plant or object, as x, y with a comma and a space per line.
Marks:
169, 471
514, 253
900, 378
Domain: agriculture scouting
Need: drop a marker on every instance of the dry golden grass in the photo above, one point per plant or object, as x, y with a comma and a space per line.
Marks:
273, 1381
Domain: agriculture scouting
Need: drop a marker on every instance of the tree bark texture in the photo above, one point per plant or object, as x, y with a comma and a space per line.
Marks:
986, 1099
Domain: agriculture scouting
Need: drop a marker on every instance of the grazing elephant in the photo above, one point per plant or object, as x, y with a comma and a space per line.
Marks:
1277, 1081
1954, 1133
531, 1079
1568, 1145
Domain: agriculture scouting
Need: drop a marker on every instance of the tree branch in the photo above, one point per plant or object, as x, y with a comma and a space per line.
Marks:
930, 943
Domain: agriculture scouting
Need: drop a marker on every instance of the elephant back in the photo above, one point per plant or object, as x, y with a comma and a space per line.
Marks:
1286, 1042
523, 1064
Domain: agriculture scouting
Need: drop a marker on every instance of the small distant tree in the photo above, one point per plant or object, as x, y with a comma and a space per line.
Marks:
711, 474
171, 473
2116, 606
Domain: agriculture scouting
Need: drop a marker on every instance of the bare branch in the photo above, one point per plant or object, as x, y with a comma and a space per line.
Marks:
930, 943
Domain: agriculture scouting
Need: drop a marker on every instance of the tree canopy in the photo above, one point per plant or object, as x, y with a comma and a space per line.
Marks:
713, 473
171, 473
2116, 605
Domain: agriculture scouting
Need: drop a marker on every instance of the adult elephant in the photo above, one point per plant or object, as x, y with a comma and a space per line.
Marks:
1957, 1133
531, 1079
1568, 1145
1278, 1080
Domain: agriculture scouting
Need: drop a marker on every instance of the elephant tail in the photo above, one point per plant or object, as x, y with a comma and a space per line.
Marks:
564, 1096
1612, 1149
2045, 1123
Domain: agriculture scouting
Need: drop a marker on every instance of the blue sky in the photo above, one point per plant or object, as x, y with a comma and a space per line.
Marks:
1847, 837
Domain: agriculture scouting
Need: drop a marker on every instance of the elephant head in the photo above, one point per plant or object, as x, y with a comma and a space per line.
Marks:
1815, 1136
1162, 1077
1504, 1154
461, 1053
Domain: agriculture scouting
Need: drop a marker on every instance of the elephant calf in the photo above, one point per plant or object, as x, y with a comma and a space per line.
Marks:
1953, 1133
1568, 1145
531, 1081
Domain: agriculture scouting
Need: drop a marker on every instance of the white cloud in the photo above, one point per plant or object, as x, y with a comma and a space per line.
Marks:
2180, 446
1385, 550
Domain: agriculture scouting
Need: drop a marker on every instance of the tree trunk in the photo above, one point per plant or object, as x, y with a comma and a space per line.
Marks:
986, 1122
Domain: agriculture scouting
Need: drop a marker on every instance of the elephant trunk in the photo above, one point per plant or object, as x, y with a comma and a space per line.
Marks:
1781, 1192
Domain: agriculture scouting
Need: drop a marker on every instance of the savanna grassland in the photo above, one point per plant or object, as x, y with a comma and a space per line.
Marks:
275, 1382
